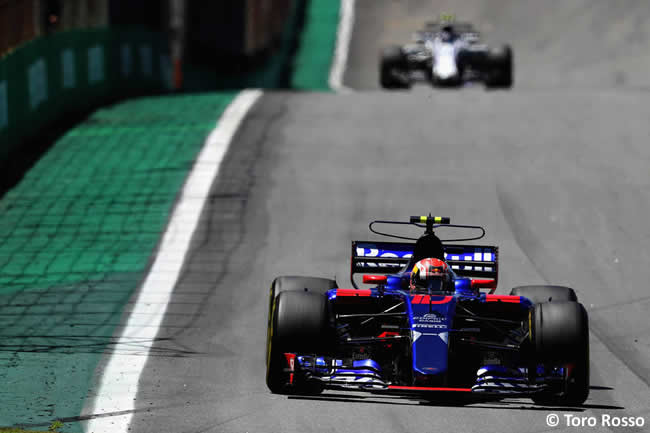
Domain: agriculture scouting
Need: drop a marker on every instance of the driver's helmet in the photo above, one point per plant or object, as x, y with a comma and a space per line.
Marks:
447, 33
431, 275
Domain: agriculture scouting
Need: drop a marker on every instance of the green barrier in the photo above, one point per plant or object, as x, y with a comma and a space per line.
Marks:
69, 71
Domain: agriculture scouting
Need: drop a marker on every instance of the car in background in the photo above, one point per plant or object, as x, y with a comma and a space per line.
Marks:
446, 55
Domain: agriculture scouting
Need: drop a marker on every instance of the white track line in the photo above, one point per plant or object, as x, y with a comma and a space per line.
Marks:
343, 36
114, 402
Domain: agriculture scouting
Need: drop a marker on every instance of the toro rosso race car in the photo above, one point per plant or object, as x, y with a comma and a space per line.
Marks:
429, 323
447, 55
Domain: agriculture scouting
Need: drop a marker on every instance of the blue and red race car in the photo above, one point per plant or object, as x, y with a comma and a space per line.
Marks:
429, 323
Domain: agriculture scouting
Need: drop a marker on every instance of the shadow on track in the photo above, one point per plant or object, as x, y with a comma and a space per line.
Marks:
454, 402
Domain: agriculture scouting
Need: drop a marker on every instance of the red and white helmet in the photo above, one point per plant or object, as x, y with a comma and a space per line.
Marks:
430, 275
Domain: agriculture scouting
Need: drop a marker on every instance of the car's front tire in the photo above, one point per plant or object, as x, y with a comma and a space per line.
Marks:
299, 323
560, 334
392, 62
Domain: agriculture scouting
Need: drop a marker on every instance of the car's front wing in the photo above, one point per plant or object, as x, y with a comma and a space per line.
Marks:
366, 375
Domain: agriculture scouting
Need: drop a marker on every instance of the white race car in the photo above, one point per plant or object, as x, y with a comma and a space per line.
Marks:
447, 55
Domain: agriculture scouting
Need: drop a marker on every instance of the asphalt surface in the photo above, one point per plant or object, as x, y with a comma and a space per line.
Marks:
556, 170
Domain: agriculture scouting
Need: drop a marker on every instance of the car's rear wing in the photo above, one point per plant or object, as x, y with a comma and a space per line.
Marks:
473, 261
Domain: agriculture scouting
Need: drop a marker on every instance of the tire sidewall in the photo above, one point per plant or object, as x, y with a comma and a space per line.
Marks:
299, 323
561, 338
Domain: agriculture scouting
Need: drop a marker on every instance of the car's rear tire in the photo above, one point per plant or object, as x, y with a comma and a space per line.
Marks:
500, 68
392, 60
301, 284
539, 294
560, 334
299, 323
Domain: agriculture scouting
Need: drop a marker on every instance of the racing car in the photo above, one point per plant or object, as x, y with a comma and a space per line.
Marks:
426, 321
447, 55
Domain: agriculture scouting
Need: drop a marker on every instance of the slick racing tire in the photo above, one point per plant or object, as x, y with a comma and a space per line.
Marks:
299, 324
500, 68
300, 284
560, 334
392, 60
539, 294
